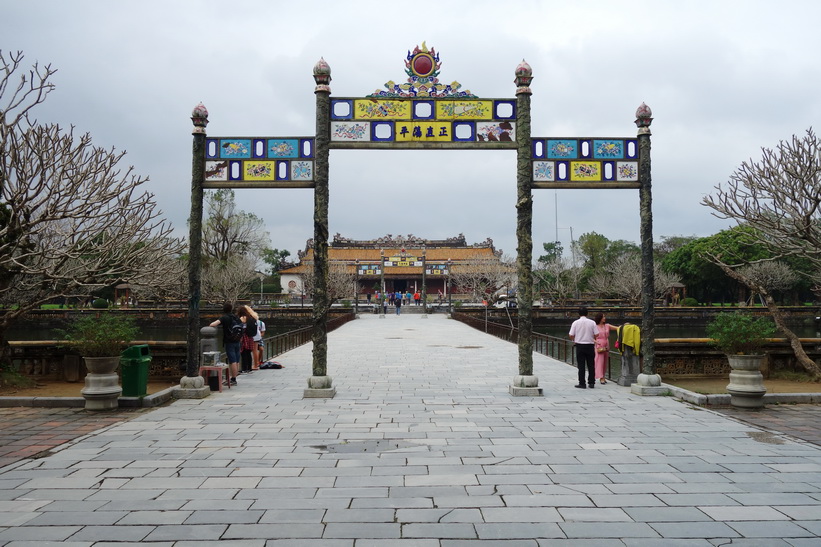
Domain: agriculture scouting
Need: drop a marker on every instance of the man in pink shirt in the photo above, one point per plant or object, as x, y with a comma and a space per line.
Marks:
583, 333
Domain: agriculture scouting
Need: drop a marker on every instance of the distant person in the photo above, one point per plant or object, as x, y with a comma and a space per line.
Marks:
603, 329
398, 303
408, 296
417, 298
384, 305
391, 297
232, 348
583, 333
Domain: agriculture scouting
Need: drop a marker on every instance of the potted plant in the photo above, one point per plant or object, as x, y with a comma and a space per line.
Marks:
100, 339
742, 337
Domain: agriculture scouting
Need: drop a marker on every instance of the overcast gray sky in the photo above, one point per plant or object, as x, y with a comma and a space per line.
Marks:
723, 78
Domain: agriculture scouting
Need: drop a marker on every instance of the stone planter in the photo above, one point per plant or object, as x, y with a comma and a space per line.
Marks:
746, 387
102, 386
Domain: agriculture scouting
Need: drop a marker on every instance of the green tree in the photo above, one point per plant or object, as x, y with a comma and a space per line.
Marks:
553, 251
704, 279
275, 258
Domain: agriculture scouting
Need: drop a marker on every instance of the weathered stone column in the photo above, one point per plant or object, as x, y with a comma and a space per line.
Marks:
320, 384
525, 383
192, 383
648, 382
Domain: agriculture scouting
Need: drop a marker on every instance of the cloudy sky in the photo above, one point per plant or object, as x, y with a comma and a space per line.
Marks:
723, 78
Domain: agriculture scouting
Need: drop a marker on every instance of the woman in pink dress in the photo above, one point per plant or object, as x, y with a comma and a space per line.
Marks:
602, 345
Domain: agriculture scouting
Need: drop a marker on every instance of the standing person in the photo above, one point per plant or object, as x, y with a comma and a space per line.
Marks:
398, 303
259, 357
229, 320
248, 346
408, 297
391, 297
603, 329
583, 333
384, 305
417, 298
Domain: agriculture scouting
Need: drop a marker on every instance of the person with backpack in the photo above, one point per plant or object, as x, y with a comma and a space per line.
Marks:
247, 346
232, 333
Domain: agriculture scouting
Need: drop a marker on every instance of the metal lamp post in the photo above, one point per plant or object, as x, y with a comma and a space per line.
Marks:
424, 287
356, 288
381, 283
450, 301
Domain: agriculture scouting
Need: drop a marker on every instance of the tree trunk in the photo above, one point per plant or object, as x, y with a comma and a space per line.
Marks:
809, 365
778, 316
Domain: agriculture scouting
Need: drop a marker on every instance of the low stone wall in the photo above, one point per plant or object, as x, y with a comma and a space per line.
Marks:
682, 357
47, 360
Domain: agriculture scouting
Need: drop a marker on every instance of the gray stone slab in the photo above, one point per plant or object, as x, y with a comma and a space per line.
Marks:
771, 529
506, 530
363, 530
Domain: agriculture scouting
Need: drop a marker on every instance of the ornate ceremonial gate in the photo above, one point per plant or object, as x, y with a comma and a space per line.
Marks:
422, 114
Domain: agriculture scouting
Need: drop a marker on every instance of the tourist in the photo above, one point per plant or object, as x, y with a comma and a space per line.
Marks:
248, 346
384, 305
391, 297
602, 345
417, 298
408, 296
259, 355
398, 302
232, 348
583, 333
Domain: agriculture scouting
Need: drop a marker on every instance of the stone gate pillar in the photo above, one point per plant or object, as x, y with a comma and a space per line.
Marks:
192, 381
648, 382
525, 384
320, 384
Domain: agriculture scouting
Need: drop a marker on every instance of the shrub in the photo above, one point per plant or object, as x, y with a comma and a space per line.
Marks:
689, 302
738, 333
99, 304
103, 336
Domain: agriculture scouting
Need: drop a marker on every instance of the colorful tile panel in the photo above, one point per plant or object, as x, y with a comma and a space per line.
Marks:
259, 159
423, 120
584, 160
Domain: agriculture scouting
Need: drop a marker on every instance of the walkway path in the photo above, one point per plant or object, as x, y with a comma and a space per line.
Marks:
422, 446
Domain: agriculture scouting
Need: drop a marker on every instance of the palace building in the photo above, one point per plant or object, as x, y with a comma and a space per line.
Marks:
402, 263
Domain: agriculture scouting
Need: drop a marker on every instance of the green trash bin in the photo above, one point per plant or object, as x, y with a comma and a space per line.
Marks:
134, 364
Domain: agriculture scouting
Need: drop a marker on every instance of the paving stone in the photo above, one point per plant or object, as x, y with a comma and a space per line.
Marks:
419, 460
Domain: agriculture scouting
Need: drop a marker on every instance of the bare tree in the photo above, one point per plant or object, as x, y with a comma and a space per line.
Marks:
621, 278
558, 278
341, 280
227, 281
779, 197
234, 244
72, 219
229, 232
481, 274
774, 276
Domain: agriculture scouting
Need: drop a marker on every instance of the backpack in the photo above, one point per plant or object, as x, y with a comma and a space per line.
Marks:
236, 330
